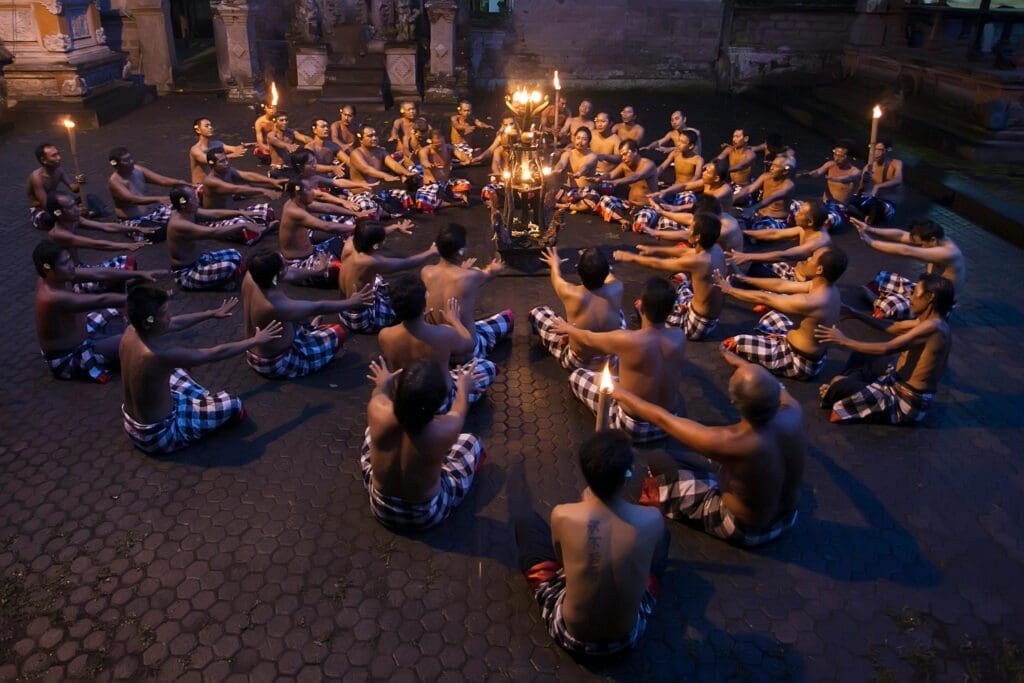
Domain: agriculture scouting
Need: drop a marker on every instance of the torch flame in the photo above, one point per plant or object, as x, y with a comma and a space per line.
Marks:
606, 380
68, 123
558, 84
546, 170
273, 94
876, 113
506, 175
535, 96
524, 171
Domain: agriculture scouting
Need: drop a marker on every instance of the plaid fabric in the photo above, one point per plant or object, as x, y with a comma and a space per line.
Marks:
883, 210
311, 350
610, 205
743, 201
195, 412
695, 326
83, 361
212, 270
888, 396
558, 344
429, 197
575, 195
694, 497
772, 350
487, 372
837, 213
644, 218
585, 385
550, 594
37, 216
893, 292
462, 148
768, 223
332, 247
490, 190
264, 215
370, 319
490, 331
337, 218
158, 217
365, 201
120, 262
783, 270
457, 473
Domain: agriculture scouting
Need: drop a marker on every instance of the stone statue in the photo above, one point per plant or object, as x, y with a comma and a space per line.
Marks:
405, 22
307, 22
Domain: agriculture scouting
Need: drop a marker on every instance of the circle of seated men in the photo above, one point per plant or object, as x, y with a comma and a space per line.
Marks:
417, 462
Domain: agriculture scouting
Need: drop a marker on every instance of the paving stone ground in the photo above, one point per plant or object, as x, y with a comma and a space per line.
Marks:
254, 556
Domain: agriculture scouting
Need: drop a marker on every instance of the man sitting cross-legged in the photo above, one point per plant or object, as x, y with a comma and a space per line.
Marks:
811, 232
782, 346
650, 361
305, 346
417, 464
595, 305
127, 185
775, 188
753, 498
596, 570
901, 392
415, 339
454, 277
309, 264
194, 268
223, 183
361, 266
730, 237
641, 176
164, 409
74, 329
439, 187
698, 302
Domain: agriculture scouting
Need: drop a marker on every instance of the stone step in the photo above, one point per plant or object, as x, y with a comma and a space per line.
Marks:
104, 104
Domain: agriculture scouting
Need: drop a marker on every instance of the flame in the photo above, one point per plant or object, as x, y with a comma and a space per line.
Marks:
68, 123
509, 130
506, 175
524, 171
273, 94
521, 96
606, 380
558, 84
876, 113
535, 96
546, 170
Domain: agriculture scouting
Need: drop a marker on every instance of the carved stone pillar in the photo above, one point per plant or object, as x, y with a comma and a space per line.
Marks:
401, 66
440, 85
234, 35
155, 56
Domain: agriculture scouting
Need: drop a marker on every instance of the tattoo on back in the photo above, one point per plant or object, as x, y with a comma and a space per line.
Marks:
593, 545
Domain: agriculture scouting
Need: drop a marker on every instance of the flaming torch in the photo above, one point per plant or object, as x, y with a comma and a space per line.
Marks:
558, 89
69, 126
273, 94
604, 397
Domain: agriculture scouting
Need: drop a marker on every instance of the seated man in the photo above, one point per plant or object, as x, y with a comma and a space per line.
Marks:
579, 163
671, 140
439, 187
687, 165
330, 197
416, 464
453, 278
223, 183
881, 183
595, 305
901, 393
466, 129
841, 177
263, 124
650, 361
309, 264
698, 302
402, 128
343, 131
368, 161
628, 128
198, 154
811, 232
46, 181
415, 339
164, 409
730, 237
605, 144
595, 571
282, 141
127, 185
305, 346
775, 188
641, 175
740, 157
330, 158
573, 123
497, 149
74, 329
362, 266
712, 183
194, 268
925, 241
783, 347
548, 115
753, 499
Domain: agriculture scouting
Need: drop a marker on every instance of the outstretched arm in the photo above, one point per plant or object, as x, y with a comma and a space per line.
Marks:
187, 320
712, 442
181, 356
914, 336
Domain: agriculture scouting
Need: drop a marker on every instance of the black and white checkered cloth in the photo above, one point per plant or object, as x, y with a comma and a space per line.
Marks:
695, 326
372, 318
558, 345
575, 195
490, 331
486, 372
158, 217
195, 413
893, 292
585, 384
610, 206
867, 205
84, 361
888, 396
772, 349
311, 350
457, 474
120, 262
213, 270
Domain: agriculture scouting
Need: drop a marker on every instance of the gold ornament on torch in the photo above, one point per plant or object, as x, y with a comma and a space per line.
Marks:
604, 397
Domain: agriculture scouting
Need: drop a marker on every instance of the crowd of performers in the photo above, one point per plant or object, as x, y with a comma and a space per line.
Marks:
594, 570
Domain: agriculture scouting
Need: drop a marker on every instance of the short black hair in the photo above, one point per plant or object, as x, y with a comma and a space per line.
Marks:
211, 154
593, 268
926, 229
195, 124
629, 144
658, 299
299, 158
45, 256
265, 267
451, 239
605, 458
408, 297
55, 202
833, 263
707, 227
721, 167
420, 391
707, 203
942, 290
41, 150
689, 135
367, 235
844, 143
144, 301
179, 196
294, 186
818, 213
280, 113
117, 153
584, 129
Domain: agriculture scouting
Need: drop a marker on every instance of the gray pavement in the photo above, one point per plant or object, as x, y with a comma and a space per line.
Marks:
254, 556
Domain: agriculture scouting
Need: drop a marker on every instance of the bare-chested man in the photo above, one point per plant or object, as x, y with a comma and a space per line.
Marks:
685, 162
330, 158
628, 128
417, 464
466, 128
605, 143
810, 231
547, 117
496, 150
455, 278
741, 159
841, 178
901, 393
368, 163
329, 198
753, 498
439, 187
163, 408
698, 302
650, 361
583, 118
925, 241
402, 127
46, 181
641, 175
579, 163
595, 305
730, 238
880, 185
362, 266
415, 338
305, 346
282, 141
775, 188
78, 333
670, 219
785, 348
670, 140
595, 571
262, 126
343, 131
223, 183
127, 185
309, 264
198, 159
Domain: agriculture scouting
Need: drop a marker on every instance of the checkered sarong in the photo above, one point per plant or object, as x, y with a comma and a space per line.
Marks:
768, 223
430, 197
487, 372
212, 270
743, 201
463, 148
83, 360
558, 344
585, 385
490, 190
882, 210
609, 205
457, 473
575, 195
837, 213
195, 412
120, 262
311, 350
158, 217
888, 396
694, 497
694, 325
644, 218
772, 349
893, 295
783, 270
370, 319
333, 248
264, 215
490, 331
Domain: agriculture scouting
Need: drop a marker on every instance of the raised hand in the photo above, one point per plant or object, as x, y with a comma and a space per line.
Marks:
269, 333
403, 226
468, 263
380, 375
226, 308
737, 257
622, 256
467, 377
452, 312
829, 335
364, 297
496, 265
550, 257
720, 281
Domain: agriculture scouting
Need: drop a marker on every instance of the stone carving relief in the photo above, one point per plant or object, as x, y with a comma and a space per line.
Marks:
52, 6
79, 26
15, 25
73, 87
57, 42
101, 36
